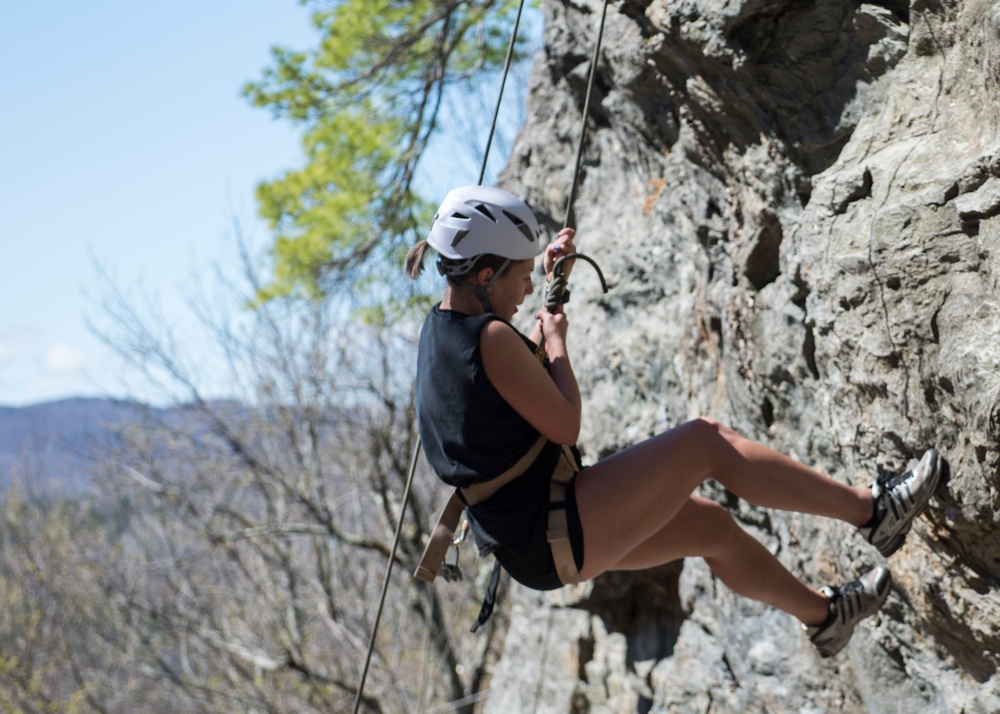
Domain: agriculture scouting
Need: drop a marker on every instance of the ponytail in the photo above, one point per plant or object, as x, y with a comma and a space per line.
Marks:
415, 260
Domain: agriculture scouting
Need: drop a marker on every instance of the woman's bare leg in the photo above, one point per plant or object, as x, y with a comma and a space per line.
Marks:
704, 528
627, 499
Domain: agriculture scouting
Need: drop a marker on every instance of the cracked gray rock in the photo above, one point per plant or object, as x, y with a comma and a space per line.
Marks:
798, 206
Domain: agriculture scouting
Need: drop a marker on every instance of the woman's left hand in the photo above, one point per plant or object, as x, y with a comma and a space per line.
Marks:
562, 245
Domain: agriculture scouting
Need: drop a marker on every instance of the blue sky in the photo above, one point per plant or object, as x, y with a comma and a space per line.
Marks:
124, 139
124, 142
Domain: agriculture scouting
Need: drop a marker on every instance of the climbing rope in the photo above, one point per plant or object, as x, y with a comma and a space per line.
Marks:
586, 111
557, 295
388, 573
416, 451
503, 83
558, 292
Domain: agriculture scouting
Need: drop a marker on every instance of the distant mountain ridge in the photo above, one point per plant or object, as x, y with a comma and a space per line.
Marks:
54, 445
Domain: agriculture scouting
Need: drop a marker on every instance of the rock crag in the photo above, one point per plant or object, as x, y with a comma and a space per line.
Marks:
798, 205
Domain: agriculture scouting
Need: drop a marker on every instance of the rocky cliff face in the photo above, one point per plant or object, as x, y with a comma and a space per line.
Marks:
798, 205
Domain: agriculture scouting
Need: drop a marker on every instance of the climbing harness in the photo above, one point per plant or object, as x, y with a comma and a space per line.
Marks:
443, 539
447, 523
557, 533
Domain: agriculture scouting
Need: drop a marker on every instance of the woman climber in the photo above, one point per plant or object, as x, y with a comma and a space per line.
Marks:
500, 426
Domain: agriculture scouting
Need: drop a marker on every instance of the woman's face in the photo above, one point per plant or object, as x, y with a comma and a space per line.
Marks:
512, 287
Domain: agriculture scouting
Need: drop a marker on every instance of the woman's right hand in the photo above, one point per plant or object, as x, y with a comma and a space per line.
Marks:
562, 245
554, 327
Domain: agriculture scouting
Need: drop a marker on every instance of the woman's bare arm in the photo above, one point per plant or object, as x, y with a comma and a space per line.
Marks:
549, 401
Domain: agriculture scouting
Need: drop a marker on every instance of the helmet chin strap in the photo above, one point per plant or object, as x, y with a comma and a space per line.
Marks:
482, 292
483, 295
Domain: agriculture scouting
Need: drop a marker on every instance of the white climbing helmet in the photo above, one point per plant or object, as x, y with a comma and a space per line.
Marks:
474, 220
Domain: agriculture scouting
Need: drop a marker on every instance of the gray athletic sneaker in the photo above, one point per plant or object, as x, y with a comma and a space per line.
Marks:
849, 604
898, 500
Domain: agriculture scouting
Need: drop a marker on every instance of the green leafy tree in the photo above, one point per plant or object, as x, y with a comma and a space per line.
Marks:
369, 98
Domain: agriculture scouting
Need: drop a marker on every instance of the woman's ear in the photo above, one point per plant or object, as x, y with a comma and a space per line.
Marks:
484, 276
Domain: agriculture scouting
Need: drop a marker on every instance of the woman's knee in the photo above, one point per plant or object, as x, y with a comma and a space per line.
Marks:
714, 429
716, 438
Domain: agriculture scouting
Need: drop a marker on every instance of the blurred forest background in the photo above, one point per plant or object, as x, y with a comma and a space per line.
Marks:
209, 555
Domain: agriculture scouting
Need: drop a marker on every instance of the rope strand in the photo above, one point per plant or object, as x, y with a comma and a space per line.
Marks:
557, 291
503, 83
388, 573
586, 111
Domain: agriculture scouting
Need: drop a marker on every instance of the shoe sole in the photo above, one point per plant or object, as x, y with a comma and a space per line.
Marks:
897, 542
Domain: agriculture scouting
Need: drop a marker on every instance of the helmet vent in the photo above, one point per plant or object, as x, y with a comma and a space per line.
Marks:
459, 235
521, 226
456, 214
485, 211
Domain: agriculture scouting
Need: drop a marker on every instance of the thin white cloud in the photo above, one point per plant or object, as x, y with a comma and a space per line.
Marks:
36, 368
64, 359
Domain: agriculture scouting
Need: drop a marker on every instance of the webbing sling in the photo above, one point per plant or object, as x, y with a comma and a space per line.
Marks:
558, 527
441, 539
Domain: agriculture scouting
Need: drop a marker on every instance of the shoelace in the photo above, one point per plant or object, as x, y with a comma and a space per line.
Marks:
889, 481
892, 498
848, 602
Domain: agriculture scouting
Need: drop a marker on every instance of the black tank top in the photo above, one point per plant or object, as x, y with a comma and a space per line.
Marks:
470, 433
